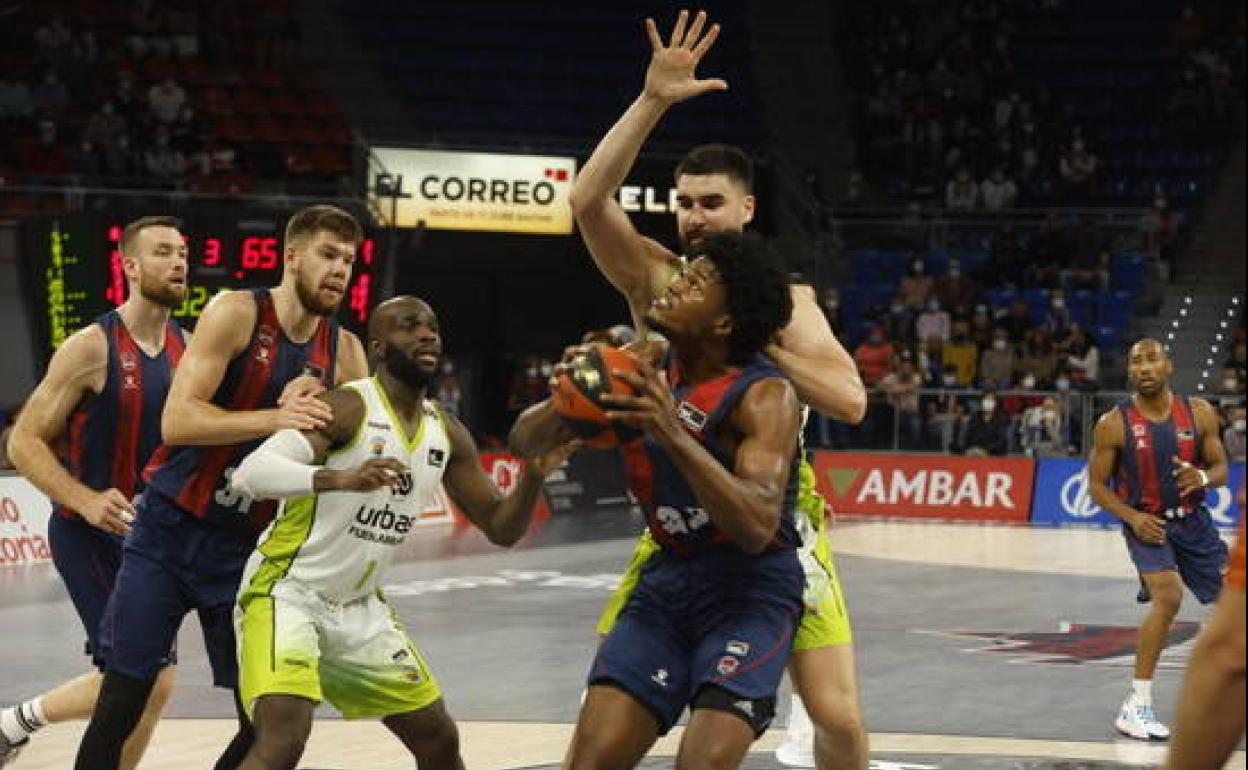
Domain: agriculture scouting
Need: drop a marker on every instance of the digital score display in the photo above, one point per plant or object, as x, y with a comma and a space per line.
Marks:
72, 271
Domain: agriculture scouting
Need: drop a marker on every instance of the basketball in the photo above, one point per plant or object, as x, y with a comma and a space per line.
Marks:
578, 395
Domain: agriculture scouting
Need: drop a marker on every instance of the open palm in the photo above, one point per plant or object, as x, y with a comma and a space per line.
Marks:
671, 75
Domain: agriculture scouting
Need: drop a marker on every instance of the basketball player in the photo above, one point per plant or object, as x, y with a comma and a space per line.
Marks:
193, 533
1160, 451
713, 186
1209, 721
710, 621
103, 391
312, 623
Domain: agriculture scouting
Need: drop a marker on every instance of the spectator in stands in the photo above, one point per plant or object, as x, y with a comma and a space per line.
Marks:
1231, 383
1188, 30
1038, 360
1004, 266
1160, 229
998, 191
901, 386
1233, 437
183, 32
955, 289
982, 328
120, 159
986, 431
86, 163
50, 96
1046, 254
961, 192
933, 321
916, 286
105, 127
931, 361
1057, 319
942, 417
16, 102
874, 356
1042, 430
1078, 167
1016, 322
960, 355
1083, 360
165, 100
1087, 270
448, 390
1239, 352
996, 363
48, 157
162, 160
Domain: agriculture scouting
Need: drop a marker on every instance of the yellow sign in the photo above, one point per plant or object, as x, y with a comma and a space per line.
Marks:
473, 190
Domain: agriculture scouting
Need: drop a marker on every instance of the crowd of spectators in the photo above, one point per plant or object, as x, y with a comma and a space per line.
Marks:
146, 94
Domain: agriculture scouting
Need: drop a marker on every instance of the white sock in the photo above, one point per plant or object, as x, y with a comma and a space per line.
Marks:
799, 720
1143, 690
19, 722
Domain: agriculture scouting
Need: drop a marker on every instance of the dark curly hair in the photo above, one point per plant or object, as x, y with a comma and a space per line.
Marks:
756, 286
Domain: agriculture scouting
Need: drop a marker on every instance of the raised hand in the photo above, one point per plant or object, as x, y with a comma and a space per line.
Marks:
670, 77
1189, 478
110, 511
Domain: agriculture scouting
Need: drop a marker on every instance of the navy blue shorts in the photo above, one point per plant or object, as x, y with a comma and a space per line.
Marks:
87, 559
1193, 548
721, 620
173, 563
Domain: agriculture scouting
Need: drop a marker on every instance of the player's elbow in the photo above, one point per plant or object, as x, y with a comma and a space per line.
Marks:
172, 425
855, 407
584, 204
761, 533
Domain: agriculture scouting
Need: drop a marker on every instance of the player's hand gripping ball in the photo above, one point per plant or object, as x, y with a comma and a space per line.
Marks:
579, 390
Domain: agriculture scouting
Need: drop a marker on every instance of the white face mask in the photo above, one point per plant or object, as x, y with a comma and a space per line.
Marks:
1059, 303
1238, 425
1029, 382
950, 380
546, 370
1230, 383
999, 344
988, 404
1062, 383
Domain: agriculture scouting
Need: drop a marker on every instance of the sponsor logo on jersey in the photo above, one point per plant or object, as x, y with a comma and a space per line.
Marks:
737, 648
691, 416
437, 457
727, 665
377, 425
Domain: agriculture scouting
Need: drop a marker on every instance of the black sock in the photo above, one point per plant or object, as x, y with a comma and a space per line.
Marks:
117, 710
236, 752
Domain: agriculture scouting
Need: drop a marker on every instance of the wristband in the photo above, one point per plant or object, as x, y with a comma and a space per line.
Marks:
1204, 478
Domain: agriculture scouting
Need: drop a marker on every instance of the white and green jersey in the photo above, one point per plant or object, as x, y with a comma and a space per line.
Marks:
340, 544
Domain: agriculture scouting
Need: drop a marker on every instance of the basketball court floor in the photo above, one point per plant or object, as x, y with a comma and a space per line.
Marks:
979, 647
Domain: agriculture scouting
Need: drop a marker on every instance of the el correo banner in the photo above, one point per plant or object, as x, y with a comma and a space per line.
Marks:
24, 513
478, 191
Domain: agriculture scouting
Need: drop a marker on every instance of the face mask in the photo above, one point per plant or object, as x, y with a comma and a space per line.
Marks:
1059, 303
950, 380
988, 404
546, 369
999, 344
1230, 383
1238, 425
1062, 383
933, 307
898, 309
954, 272
531, 371
917, 268
1028, 382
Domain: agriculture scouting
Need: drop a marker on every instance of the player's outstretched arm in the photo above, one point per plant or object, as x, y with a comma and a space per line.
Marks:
77, 370
190, 417
1107, 443
744, 502
289, 463
630, 261
503, 518
823, 372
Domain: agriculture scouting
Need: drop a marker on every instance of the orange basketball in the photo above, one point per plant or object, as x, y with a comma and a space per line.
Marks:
578, 395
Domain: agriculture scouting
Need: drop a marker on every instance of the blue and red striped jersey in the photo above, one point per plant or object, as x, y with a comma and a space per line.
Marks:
1144, 477
197, 477
673, 513
112, 434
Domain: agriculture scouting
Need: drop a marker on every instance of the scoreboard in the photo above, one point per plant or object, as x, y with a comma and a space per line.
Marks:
72, 270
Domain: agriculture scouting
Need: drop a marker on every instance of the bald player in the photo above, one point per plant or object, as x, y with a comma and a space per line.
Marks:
1153, 457
312, 623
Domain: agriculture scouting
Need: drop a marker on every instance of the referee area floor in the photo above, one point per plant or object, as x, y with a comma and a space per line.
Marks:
979, 647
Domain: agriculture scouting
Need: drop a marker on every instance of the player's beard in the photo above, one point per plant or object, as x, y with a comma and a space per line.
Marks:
311, 301
407, 369
161, 293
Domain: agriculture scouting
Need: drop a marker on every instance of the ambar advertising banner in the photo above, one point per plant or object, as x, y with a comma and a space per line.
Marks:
479, 191
926, 486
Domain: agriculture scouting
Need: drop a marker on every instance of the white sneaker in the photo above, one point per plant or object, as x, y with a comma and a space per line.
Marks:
798, 748
1139, 721
10, 750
